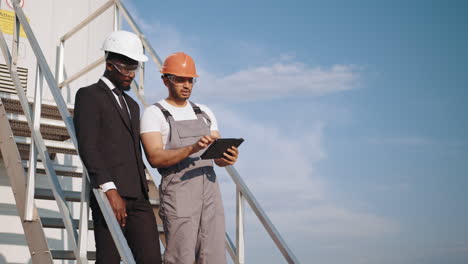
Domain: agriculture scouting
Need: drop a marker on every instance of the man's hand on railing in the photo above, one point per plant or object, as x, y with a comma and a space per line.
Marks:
118, 206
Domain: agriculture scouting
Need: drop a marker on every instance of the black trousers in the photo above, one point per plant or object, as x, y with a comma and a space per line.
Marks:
140, 231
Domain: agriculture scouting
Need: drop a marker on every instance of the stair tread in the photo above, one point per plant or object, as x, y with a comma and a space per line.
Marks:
50, 129
69, 255
72, 196
48, 108
54, 222
43, 121
58, 167
46, 194
47, 102
58, 146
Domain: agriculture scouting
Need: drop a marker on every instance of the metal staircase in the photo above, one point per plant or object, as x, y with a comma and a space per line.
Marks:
37, 136
15, 131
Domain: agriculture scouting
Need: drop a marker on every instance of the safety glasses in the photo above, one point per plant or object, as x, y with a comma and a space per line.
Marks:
124, 69
180, 80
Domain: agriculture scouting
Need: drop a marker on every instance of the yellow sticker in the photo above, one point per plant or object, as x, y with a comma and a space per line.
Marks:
7, 23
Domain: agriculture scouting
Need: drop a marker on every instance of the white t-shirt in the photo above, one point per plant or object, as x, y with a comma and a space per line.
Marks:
153, 119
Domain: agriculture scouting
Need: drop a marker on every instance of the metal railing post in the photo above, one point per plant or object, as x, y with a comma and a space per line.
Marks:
116, 18
61, 62
15, 45
141, 72
240, 245
83, 225
28, 214
134, 86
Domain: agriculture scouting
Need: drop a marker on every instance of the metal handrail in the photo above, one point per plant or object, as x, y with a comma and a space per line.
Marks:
68, 35
82, 72
85, 22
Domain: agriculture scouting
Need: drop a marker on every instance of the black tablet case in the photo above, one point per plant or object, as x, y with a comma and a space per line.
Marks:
217, 148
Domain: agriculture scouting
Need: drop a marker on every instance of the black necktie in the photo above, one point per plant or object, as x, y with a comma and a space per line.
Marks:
123, 105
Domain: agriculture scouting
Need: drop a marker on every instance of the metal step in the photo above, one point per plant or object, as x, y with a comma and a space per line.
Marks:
51, 222
49, 109
50, 129
61, 170
71, 196
68, 254
52, 146
44, 121
46, 194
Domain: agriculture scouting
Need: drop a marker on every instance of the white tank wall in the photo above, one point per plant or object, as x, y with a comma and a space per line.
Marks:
51, 19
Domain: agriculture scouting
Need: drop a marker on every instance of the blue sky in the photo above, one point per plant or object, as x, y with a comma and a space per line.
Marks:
354, 115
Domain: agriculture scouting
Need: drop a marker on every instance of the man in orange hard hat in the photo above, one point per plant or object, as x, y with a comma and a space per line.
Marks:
173, 132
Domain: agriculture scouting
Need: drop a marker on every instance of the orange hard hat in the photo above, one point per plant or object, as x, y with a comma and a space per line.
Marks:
179, 64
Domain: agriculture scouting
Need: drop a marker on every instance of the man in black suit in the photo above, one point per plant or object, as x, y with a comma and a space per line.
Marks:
107, 123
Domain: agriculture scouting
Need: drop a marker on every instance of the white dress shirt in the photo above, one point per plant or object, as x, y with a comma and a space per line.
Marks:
111, 185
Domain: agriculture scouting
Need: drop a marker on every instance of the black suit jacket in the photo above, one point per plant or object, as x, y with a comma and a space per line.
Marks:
108, 145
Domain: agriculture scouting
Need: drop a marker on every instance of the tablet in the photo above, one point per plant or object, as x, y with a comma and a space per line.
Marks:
216, 149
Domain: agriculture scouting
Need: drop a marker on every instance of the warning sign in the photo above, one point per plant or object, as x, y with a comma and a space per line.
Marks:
7, 23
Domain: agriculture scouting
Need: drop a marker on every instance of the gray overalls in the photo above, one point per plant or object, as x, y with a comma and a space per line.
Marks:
191, 205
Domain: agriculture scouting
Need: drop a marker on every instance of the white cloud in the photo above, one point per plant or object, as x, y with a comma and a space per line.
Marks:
278, 77
277, 80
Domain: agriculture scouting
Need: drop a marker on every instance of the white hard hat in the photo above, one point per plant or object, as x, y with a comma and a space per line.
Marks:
125, 43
